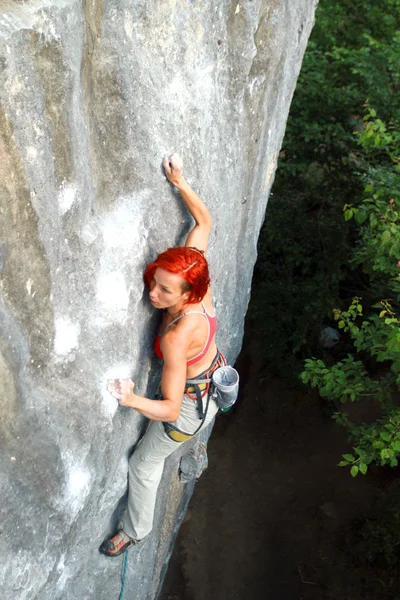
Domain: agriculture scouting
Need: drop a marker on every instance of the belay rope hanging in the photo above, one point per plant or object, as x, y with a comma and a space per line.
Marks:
123, 575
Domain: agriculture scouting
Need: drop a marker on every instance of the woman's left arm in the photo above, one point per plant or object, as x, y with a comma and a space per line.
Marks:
172, 384
199, 235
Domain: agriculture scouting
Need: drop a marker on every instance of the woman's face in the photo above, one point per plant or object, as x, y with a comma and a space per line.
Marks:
166, 289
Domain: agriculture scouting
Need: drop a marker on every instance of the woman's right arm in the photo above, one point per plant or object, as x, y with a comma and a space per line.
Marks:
199, 235
175, 349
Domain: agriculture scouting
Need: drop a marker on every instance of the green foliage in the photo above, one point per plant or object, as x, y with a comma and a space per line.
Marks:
375, 335
331, 236
303, 267
353, 55
378, 247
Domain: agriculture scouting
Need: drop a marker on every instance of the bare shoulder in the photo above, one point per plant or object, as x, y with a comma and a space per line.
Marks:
175, 342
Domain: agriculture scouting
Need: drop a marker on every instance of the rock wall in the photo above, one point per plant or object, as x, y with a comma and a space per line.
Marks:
92, 94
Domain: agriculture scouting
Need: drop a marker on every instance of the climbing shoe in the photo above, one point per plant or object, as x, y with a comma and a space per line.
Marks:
118, 544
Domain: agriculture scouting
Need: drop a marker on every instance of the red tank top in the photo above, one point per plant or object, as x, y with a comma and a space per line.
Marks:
212, 327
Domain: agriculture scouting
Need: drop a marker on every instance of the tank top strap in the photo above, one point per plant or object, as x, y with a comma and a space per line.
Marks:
206, 311
190, 312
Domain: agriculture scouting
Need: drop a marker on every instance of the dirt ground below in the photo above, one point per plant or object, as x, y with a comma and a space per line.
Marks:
272, 516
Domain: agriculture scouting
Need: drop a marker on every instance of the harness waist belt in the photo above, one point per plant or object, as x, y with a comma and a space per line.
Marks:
177, 436
192, 390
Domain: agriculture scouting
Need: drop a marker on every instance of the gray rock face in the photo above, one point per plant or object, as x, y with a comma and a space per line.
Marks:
92, 94
193, 463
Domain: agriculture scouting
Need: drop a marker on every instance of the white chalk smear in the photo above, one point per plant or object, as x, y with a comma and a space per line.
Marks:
77, 487
66, 197
123, 244
31, 153
112, 291
123, 228
66, 336
77, 481
61, 564
110, 404
128, 25
178, 89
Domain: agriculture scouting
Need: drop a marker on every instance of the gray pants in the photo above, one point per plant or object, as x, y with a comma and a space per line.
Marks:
147, 462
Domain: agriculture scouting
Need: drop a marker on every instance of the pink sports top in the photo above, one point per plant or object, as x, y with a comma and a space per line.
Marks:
212, 327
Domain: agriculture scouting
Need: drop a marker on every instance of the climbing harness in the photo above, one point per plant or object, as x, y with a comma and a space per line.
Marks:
123, 575
196, 389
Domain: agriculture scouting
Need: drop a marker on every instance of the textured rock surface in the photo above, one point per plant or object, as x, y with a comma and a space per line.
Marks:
92, 94
193, 463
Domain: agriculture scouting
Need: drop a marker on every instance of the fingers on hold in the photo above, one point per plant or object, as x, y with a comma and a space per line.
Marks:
176, 161
167, 163
113, 386
115, 394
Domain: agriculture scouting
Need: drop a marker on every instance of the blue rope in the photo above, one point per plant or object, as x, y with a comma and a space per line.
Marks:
123, 575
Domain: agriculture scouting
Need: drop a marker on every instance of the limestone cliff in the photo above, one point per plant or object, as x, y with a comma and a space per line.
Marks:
92, 94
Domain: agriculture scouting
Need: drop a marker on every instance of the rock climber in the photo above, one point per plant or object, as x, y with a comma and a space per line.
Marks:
179, 285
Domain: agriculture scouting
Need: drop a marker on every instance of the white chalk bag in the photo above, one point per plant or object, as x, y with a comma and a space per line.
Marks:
226, 387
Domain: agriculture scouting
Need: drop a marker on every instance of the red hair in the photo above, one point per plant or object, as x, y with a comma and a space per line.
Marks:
190, 264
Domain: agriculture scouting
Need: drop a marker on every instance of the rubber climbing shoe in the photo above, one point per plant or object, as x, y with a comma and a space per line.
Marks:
118, 544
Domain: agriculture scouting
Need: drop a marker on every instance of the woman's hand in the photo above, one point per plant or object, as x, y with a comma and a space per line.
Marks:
122, 390
173, 167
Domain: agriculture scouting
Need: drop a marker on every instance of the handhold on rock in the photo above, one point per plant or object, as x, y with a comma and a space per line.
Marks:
193, 463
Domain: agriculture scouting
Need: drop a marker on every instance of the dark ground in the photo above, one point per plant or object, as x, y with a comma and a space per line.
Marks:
273, 516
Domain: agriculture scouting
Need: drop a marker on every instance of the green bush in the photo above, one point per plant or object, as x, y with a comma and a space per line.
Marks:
373, 368
304, 266
331, 236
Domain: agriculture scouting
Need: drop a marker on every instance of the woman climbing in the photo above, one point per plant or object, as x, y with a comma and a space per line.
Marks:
179, 284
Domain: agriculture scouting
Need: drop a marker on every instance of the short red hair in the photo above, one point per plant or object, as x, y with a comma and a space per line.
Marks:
190, 264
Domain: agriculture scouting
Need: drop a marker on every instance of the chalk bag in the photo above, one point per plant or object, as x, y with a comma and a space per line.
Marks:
226, 382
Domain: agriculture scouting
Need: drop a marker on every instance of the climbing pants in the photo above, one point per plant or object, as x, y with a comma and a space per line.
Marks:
147, 463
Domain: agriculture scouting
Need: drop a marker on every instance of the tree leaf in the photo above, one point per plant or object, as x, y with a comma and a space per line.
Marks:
349, 457
363, 468
354, 470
